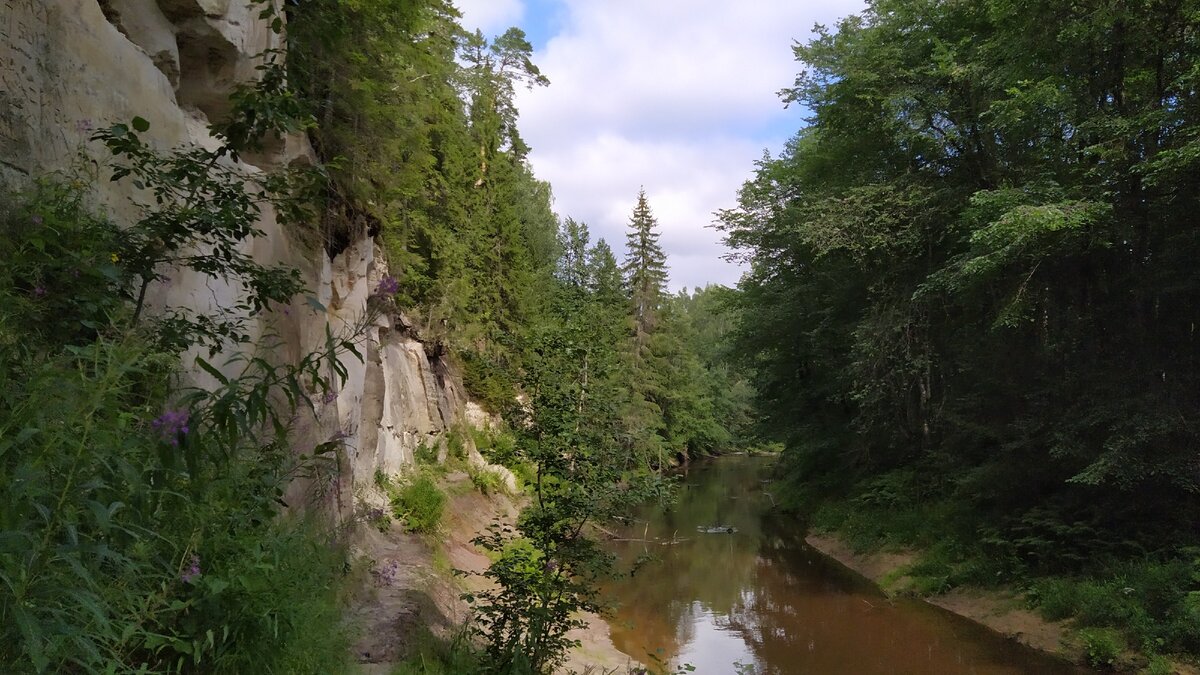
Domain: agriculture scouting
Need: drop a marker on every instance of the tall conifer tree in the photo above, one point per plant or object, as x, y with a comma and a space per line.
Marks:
645, 267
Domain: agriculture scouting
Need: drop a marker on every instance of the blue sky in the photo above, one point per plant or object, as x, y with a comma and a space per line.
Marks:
678, 96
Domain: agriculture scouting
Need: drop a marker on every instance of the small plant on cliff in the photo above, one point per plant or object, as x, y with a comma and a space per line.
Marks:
486, 480
419, 502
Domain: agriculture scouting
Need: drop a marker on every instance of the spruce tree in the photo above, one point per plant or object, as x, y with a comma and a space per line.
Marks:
645, 267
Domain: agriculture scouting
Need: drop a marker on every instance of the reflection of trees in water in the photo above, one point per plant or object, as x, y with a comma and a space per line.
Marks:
708, 571
795, 610
806, 616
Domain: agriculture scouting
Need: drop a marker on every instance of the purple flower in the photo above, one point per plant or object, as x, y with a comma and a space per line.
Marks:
386, 576
83, 126
329, 397
39, 291
35, 219
171, 425
388, 286
192, 572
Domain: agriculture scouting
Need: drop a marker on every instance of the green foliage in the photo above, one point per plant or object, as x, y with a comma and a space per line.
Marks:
546, 569
419, 502
62, 281
1101, 647
106, 516
426, 454
434, 656
645, 266
970, 290
418, 123
486, 480
456, 443
1159, 666
1150, 602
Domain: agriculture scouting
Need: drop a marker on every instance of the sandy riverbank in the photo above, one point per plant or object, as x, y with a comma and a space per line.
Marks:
418, 593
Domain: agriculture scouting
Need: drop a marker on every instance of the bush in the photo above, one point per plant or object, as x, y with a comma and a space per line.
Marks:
419, 503
455, 445
1101, 646
140, 519
1150, 601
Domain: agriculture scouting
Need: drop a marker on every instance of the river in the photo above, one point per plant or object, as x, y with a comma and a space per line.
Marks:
759, 600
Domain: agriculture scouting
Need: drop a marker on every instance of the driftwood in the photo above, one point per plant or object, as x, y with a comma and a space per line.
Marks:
657, 541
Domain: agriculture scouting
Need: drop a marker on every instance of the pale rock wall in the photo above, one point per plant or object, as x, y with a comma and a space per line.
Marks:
69, 66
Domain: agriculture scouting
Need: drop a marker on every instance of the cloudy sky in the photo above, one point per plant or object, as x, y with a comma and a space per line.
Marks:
678, 96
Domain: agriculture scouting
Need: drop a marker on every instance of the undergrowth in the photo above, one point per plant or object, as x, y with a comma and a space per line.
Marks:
1149, 602
417, 501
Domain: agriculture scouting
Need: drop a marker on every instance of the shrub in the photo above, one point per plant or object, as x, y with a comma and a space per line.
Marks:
455, 446
425, 454
1101, 646
419, 503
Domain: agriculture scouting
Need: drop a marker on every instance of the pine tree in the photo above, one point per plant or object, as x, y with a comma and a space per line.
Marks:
645, 268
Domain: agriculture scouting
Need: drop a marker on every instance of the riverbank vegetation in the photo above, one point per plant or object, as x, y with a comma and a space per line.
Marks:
973, 300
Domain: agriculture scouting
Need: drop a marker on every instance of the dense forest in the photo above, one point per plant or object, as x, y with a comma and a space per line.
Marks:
416, 120
971, 300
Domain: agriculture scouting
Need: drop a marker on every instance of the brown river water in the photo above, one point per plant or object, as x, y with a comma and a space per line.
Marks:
759, 600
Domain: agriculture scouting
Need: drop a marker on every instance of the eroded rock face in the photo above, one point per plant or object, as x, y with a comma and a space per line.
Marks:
70, 66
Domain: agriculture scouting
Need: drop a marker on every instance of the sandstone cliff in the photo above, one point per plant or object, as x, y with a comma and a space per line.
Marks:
70, 66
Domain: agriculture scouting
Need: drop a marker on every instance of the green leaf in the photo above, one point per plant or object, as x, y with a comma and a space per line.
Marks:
141, 125
211, 370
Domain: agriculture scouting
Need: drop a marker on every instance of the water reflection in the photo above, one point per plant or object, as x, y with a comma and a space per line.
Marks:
760, 597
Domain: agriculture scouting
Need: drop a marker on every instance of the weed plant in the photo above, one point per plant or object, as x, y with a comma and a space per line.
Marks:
419, 503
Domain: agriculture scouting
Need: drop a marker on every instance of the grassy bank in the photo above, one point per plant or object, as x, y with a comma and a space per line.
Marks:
1117, 606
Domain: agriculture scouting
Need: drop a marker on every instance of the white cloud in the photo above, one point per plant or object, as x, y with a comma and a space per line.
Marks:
490, 16
676, 95
596, 180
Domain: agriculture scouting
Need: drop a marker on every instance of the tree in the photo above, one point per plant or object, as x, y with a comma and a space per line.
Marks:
645, 267
970, 274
